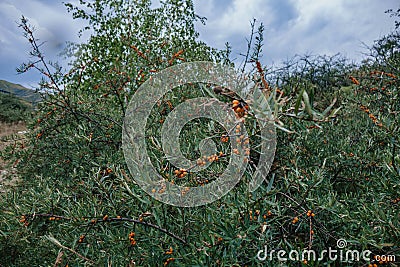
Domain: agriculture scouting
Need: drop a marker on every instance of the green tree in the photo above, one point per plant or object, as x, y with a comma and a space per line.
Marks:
76, 136
130, 41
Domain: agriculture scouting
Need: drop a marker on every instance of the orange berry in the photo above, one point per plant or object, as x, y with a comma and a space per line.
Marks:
224, 138
239, 109
170, 251
168, 261
81, 238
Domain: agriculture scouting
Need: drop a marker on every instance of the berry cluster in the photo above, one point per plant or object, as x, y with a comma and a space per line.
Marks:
169, 251
131, 237
168, 261
81, 238
310, 213
240, 108
371, 116
24, 220
354, 80
397, 200
181, 173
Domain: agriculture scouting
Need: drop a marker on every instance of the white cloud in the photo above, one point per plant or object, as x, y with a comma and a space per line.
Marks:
329, 27
8, 33
291, 27
298, 26
52, 24
233, 20
238, 15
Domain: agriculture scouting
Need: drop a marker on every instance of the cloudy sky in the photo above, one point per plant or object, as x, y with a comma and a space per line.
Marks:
291, 27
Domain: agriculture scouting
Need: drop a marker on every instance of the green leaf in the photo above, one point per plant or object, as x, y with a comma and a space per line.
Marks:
298, 101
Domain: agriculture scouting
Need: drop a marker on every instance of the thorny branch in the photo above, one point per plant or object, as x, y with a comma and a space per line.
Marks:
105, 219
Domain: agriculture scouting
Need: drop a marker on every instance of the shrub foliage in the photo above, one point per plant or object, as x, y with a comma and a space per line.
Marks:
335, 174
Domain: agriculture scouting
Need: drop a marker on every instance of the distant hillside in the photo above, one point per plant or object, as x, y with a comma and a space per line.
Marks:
19, 91
14, 109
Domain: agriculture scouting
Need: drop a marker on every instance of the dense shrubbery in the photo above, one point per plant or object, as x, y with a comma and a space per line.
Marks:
335, 174
13, 109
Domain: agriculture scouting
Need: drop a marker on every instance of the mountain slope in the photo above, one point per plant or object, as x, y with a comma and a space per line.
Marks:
19, 91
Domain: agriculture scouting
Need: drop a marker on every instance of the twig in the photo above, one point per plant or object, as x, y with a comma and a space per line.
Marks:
150, 225
249, 43
57, 243
107, 219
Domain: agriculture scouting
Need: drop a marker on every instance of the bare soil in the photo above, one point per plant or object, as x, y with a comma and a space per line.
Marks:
10, 134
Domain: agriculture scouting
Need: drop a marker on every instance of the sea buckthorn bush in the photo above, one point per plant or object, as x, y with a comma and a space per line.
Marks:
335, 174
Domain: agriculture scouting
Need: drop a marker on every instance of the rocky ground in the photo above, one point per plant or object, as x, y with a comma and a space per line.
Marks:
9, 134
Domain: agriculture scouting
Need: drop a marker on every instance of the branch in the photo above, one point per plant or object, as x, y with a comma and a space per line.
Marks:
107, 219
249, 42
57, 243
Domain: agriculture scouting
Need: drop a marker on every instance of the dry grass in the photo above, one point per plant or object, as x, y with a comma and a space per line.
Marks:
10, 133
10, 128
